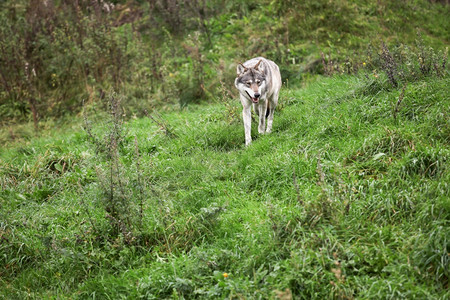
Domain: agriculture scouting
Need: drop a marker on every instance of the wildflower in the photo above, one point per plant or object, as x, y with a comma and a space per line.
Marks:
225, 275
364, 63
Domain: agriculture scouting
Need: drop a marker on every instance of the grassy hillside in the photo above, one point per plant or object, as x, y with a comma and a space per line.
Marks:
347, 198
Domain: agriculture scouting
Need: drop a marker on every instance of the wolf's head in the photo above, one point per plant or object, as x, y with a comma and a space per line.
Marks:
251, 81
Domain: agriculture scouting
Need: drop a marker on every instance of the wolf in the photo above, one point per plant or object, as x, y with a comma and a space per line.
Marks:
259, 82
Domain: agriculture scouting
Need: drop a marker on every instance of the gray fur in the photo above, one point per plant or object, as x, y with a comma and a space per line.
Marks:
259, 82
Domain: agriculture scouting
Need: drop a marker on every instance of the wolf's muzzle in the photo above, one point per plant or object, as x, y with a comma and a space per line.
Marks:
254, 99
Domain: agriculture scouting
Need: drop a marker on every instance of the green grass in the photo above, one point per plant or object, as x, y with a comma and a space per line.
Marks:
367, 216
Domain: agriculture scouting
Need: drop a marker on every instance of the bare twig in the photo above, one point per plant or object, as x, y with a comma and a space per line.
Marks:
88, 129
294, 177
138, 169
84, 205
320, 171
161, 123
399, 101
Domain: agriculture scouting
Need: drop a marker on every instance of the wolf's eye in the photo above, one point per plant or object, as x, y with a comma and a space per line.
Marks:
248, 83
258, 82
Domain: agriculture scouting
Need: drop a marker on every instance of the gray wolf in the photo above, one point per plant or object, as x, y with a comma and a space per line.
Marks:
258, 81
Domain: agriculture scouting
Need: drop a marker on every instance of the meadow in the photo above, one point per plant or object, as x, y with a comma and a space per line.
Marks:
342, 200
123, 169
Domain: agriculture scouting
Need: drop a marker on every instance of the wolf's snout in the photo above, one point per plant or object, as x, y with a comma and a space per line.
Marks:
257, 95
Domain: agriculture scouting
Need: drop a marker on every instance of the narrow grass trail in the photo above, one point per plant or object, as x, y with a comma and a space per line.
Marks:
341, 200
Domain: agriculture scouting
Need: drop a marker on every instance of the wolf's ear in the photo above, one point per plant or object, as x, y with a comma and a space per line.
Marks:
241, 69
257, 65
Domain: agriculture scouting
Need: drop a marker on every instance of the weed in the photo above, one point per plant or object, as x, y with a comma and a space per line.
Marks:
116, 194
389, 65
399, 101
297, 189
163, 125
350, 65
232, 114
139, 181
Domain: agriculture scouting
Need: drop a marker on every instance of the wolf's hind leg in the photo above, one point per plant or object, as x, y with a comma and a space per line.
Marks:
262, 117
271, 110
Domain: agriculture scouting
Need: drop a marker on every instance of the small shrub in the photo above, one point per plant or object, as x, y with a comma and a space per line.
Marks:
117, 194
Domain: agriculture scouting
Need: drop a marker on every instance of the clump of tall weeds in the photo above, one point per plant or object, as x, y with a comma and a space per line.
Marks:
117, 199
403, 63
388, 64
400, 63
350, 65
231, 112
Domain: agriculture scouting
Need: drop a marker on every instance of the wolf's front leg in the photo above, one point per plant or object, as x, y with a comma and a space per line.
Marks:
262, 117
247, 117
270, 119
272, 106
